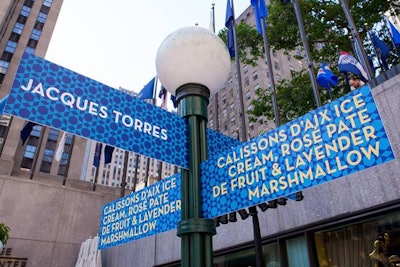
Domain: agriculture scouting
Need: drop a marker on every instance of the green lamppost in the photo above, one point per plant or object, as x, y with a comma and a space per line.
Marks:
193, 63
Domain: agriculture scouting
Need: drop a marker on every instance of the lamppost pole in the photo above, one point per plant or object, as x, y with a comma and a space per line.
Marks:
192, 63
195, 231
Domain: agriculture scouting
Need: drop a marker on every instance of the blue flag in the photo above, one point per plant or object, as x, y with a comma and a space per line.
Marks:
147, 91
326, 78
348, 63
260, 13
173, 99
97, 155
108, 152
26, 131
393, 32
382, 49
229, 20
3, 102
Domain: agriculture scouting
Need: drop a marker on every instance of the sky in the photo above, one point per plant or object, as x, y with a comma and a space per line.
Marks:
116, 42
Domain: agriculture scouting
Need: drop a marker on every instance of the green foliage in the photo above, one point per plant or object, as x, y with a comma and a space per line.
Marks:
295, 97
327, 34
250, 43
4, 229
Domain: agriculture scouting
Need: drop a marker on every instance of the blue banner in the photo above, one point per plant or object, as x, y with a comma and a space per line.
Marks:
152, 210
340, 138
48, 94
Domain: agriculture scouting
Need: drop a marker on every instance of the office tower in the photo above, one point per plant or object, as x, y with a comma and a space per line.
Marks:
27, 26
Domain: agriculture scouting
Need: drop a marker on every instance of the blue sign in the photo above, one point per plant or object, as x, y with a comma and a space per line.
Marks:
48, 94
340, 138
152, 210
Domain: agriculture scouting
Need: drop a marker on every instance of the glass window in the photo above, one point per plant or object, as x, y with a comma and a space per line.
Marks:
47, 3
255, 75
297, 252
48, 155
25, 11
370, 243
53, 134
248, 95
30, 151
245, 69
35, 35
276, 65
29, 50
4, 66
246, 81
42, 17
18, 28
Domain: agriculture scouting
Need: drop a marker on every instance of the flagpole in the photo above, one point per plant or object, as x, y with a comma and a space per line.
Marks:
310, 66
36, 156
124, 173
270, 72
136, 172
363, 57
216, 111
239, 80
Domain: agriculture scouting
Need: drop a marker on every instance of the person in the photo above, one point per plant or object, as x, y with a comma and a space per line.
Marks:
355, 83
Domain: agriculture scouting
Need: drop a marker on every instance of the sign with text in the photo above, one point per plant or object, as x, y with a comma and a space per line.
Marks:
48, 94
340, 138
152, 210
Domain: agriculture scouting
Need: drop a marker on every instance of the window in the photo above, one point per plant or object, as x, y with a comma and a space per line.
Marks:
363, 244
42, 17
45, 9
30, 151
35, 35
255, 75
223, 100
230, 82
276, 65
10, 47
18, 28
233, 122
29, 50
224, 112
245, 69
47, 3
289, 58
246, 81
248, 95
230, 94
275, 54
25, 11
256, 87
232, 108
4, 66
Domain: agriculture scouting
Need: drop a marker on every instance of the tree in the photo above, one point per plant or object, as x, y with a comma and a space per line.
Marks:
327, 33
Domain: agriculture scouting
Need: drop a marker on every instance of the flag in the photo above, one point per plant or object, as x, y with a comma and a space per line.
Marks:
97, 155
147, 91
173, 99
163, 95
108, 152
229, 20
326, 78
26, 131
348, 63
60, 147
393, 32
260, 13
3, 102
382, 49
